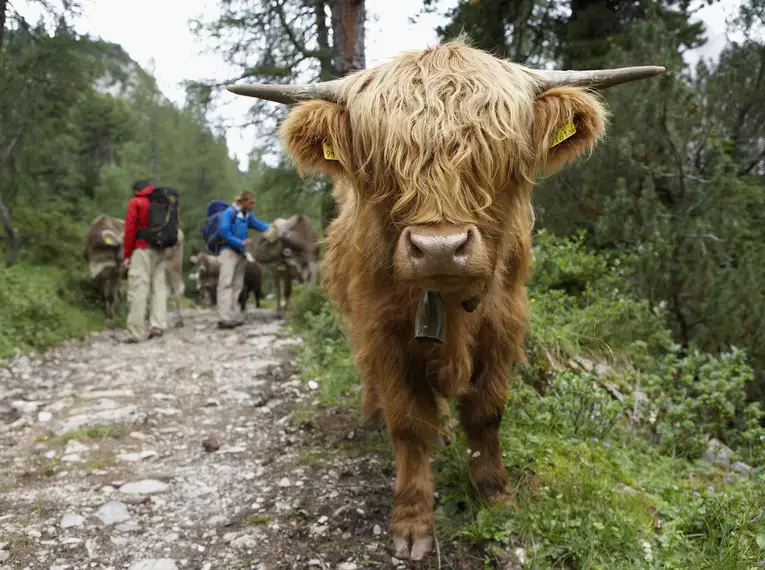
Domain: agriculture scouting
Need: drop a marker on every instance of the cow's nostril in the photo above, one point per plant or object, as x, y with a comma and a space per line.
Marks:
414, 250
463, 249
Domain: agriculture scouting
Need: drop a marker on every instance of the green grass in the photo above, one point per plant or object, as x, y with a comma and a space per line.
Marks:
36, 311
597, 488
94, 432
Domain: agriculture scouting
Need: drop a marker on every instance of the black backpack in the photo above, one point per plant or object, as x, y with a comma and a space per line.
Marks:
164, 218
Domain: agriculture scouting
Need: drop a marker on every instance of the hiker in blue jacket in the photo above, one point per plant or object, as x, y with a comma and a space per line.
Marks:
235, 221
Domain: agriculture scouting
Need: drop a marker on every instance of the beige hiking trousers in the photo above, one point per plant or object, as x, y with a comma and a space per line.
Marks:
230, 284
146, 273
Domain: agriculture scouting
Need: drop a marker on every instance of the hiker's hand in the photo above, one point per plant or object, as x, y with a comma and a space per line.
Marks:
125, 263
247, 242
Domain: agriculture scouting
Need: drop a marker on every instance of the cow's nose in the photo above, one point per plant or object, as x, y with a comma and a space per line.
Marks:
440, 251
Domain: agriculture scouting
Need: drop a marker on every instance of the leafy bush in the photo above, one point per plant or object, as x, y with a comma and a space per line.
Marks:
325, 356
33, 315
49, 235
699, 396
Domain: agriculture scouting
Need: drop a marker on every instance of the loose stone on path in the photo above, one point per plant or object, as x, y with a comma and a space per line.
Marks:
145, 487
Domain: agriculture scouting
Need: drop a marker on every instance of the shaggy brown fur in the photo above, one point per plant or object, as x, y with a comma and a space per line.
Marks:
446, 136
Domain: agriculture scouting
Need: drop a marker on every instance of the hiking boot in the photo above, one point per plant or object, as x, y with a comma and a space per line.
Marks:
226, 325
155, 333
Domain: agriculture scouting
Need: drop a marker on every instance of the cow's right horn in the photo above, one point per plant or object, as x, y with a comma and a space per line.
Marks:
594, 78
289, 94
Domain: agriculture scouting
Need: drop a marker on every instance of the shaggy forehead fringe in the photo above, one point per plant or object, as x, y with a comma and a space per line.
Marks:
441, 131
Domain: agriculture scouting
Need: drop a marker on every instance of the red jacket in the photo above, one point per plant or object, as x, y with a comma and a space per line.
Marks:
137, 218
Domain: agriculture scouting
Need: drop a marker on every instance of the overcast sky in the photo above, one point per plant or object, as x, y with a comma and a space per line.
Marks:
159, 29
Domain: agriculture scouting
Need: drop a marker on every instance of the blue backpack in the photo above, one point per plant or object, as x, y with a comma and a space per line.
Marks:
211, 231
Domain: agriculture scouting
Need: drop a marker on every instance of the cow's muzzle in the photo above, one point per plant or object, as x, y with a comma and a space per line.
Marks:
441, 256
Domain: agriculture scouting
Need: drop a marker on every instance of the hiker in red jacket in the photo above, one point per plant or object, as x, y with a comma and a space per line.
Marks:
146, 269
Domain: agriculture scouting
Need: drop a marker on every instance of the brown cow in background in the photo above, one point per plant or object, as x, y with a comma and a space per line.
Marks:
206, 277
290, 248
434, 155
103, 253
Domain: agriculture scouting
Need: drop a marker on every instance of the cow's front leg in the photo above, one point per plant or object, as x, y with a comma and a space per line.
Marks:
179, 301
412, 419
287, 292
480, 413
277, 279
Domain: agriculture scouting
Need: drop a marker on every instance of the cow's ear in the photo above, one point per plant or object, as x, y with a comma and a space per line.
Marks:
567, 122
317, 135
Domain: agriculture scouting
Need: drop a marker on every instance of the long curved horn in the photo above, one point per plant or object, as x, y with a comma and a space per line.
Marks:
595, 78
289, 94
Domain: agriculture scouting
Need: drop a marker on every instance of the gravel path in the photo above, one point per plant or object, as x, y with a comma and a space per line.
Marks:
199, 450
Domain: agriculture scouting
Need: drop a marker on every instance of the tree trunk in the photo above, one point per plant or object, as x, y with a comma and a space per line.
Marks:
3, 8
348, 19
322, 39
348, 55
14, 237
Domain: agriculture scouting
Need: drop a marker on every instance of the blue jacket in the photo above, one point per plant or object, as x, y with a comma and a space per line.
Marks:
234, 225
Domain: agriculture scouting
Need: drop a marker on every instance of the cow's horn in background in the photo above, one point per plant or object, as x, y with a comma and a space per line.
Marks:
595, 78
289, 94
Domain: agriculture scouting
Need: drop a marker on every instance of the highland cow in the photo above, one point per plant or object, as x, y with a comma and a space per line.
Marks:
290, 248
103, 253
434, 155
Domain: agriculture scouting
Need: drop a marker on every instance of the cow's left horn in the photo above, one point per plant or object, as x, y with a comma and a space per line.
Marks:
595, 78
289, 94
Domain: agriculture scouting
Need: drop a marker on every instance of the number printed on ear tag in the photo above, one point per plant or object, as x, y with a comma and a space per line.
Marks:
567, 131
329, 154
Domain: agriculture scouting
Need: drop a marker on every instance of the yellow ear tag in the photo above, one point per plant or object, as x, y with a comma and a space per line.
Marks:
108, 240
567, 131
329, 154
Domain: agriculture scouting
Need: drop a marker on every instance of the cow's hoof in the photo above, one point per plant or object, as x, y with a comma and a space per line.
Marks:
420, 549
179, 325
504, 499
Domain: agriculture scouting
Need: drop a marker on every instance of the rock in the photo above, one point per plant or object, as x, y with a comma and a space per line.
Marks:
313, 385
129, 526
132, 457
210, 444
74, 446
376, 530
741, 467
130, 414
72, 458
347, 566
25, 407
717, 453
284, 482
70, 520
154, 564
113, 512
44, 417
4, 555
144, 487
244, 542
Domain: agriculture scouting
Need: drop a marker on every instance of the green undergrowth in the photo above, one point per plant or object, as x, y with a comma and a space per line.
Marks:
41, 306
604, 434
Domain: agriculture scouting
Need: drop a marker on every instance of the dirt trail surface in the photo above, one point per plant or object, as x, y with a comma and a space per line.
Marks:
199, 450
